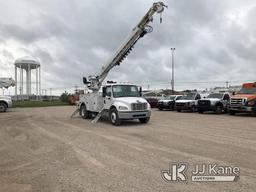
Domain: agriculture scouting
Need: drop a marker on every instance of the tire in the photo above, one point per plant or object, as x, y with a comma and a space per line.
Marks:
219, 109
114, 118
193, 108
200, 111
84, 113
232, 112
160, 108
178, 110
3, 107
144, 120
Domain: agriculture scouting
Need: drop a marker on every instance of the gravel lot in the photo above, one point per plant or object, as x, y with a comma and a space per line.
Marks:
42, 149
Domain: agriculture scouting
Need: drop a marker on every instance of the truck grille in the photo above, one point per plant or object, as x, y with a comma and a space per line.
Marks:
139, 106
236, 101
180, 104
204, 103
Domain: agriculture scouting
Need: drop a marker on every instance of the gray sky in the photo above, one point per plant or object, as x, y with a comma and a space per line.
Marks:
215, 40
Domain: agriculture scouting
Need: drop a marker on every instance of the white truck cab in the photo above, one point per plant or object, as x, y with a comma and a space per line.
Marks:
5, 103
116, 102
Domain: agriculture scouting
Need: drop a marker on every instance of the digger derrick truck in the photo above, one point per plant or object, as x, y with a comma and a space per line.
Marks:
115, 101
6, 101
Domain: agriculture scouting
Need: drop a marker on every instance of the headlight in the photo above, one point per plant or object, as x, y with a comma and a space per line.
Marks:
123, 108
250, 103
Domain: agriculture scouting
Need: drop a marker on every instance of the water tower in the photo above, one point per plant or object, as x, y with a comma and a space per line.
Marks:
28, 64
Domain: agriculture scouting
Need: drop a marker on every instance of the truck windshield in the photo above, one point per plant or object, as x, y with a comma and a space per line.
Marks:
215, 95
125, 91
251, 90
189, 96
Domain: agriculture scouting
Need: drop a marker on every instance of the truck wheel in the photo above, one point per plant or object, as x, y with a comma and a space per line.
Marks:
200, 111
193, 108
3, 107
178, 110
232, 112
219, 109
144, 120
84, 113
160, 108
113, 116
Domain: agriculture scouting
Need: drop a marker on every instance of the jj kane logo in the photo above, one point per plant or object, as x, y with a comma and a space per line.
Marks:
200, 173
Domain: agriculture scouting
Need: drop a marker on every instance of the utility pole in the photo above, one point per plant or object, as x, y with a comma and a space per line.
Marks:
172, 82
51, 93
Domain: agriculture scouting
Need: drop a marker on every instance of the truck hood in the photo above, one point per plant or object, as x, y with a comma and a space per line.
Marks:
244, 96
129, 100
184, 101
166, 100
5, 97
210, 99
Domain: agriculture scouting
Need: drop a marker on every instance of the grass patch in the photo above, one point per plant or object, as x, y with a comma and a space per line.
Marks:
38, 103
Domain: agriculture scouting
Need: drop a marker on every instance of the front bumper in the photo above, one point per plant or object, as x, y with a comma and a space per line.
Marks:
185, 107
133, 114
206, 108
165, 105
242, 108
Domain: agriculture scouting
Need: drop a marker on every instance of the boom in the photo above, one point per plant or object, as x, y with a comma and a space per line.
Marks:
139, 31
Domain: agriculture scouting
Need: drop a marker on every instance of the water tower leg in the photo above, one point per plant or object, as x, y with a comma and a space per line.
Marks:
37, 83
16, 95
27, 82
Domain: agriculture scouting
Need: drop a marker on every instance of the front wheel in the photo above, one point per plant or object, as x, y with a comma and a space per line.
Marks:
3, 107
219, 109
193, 108
144, 120
200, 111
232, 112
114, 118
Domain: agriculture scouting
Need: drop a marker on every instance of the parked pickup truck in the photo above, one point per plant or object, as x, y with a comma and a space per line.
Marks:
217, 102
244, 100
188, 102
5, 103
168, 102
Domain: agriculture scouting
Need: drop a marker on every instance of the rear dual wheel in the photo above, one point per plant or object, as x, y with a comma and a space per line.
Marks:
84, 113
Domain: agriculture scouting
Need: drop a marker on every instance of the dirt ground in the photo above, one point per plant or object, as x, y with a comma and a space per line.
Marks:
43, 149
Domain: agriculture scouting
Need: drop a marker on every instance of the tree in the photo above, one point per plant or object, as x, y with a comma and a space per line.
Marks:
64, 97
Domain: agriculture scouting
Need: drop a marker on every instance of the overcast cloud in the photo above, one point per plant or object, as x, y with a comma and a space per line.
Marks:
215, 40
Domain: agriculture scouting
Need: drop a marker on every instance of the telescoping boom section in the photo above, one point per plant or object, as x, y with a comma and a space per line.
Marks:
139, 31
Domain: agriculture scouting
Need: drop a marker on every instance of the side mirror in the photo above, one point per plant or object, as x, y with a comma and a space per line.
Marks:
85, 80
103, 91
140, 89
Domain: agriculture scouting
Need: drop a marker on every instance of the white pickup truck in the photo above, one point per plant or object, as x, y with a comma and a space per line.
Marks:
5, 103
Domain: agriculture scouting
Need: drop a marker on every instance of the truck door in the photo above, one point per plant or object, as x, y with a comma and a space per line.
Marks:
107, 101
